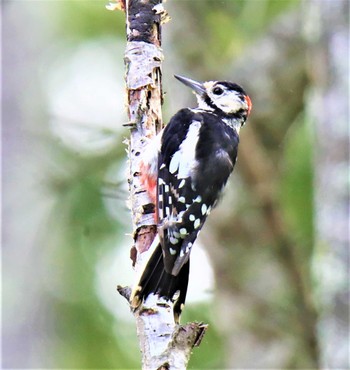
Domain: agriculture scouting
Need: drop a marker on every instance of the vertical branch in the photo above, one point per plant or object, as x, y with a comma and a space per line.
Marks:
164, 344
143, 58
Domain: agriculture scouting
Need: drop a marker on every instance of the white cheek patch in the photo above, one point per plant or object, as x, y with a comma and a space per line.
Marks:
229, 104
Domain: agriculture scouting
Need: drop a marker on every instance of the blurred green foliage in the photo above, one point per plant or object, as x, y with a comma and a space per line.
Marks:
87, 333
222, 30
211, 352
86, 19
297, 182
214, 33
209, 36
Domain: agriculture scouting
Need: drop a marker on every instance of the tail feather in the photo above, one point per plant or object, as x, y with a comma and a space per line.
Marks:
154, 279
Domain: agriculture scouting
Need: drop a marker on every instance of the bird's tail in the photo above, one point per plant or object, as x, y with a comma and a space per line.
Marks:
154, 279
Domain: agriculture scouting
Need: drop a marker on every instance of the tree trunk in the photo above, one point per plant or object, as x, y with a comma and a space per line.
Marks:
164, 344
328, 101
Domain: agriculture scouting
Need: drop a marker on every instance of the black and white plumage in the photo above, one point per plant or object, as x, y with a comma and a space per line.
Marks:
185, 170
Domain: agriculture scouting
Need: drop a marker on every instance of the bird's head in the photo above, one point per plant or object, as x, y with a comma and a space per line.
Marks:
224, 98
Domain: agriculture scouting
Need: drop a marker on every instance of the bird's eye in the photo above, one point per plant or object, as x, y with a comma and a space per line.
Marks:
218, 91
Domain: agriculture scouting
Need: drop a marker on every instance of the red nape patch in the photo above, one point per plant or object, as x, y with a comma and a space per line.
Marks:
249, 103
148, 182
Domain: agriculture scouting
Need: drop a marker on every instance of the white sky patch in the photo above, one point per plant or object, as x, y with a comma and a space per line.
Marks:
114, 268
201, 283
115, 193
85, 89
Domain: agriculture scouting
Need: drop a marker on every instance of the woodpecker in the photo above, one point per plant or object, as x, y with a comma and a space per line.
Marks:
184, 171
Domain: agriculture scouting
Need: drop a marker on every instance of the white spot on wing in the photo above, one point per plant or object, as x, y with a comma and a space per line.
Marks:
183, 231
197, 223
182, 183
172, 251
192, 217
182, 200
188, 247
173, 241
179, 216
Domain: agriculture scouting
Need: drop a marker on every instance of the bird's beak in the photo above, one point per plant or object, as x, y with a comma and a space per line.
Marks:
197, 87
